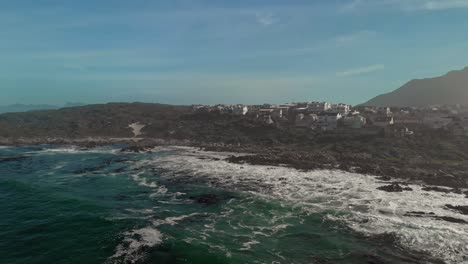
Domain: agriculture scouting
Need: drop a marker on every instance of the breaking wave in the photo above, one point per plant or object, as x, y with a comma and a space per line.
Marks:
409, 215
130, 250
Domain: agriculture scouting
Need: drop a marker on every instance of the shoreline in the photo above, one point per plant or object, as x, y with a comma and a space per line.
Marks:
350, 193
400, 172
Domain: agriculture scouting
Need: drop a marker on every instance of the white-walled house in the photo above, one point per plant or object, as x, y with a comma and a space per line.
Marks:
340, 108
265, 115
240, 110
317, 107
305, 120
385, 111
355, 121
277, 113
328, 120
398, 130
267, 119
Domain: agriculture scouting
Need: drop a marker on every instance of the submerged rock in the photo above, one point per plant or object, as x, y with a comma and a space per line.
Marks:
208, 199
8, 159
136, 149
119, 170
437, 217
211, 199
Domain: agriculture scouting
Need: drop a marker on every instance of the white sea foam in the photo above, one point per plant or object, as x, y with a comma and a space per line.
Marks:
143, 181
134, 241
248, 245
140, 211
130, 248
159, 190
174, 220
75, 150
366, 209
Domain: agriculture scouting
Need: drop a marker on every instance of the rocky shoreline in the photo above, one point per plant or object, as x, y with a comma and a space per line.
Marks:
396, 175
452, 175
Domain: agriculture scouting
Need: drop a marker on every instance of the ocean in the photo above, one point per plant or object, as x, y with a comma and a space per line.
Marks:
65, 204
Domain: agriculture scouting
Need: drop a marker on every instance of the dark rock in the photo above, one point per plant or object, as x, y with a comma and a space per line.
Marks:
208, 199
459, 208
384, 178
419, 214
436, 189
119, 170
432, 215
451, 219
8, 159
394, 187
121, 160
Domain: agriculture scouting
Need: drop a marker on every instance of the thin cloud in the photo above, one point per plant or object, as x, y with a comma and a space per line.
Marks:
446, 4
405, 5
354, 37
265, 19
361, 70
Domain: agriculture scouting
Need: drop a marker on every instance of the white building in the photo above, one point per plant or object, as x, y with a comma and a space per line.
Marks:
267, 119
240, 110
265, 115
277, 113
328, 120
355, 121
305, 120
340, 108
317, 107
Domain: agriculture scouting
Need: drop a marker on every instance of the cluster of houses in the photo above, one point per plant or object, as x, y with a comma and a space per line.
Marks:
325, 116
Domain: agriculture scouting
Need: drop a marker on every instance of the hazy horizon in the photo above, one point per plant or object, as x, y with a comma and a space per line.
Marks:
189, 52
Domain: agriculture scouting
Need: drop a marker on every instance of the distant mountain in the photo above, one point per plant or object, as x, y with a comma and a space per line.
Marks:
15, 108
25, 108
450, 89
73, 104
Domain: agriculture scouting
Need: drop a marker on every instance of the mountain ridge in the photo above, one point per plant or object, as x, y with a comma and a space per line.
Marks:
449, 89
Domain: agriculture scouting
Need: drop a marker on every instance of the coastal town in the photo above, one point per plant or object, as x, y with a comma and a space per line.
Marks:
355, 120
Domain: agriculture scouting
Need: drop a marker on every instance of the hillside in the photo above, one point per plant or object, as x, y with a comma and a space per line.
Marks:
105, 120
449, 89
433, 158
112, 121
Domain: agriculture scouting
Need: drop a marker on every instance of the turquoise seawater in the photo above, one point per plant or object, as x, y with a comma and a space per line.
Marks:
66, 205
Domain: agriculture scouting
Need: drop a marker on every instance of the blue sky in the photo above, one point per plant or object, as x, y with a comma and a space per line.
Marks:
224, 51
